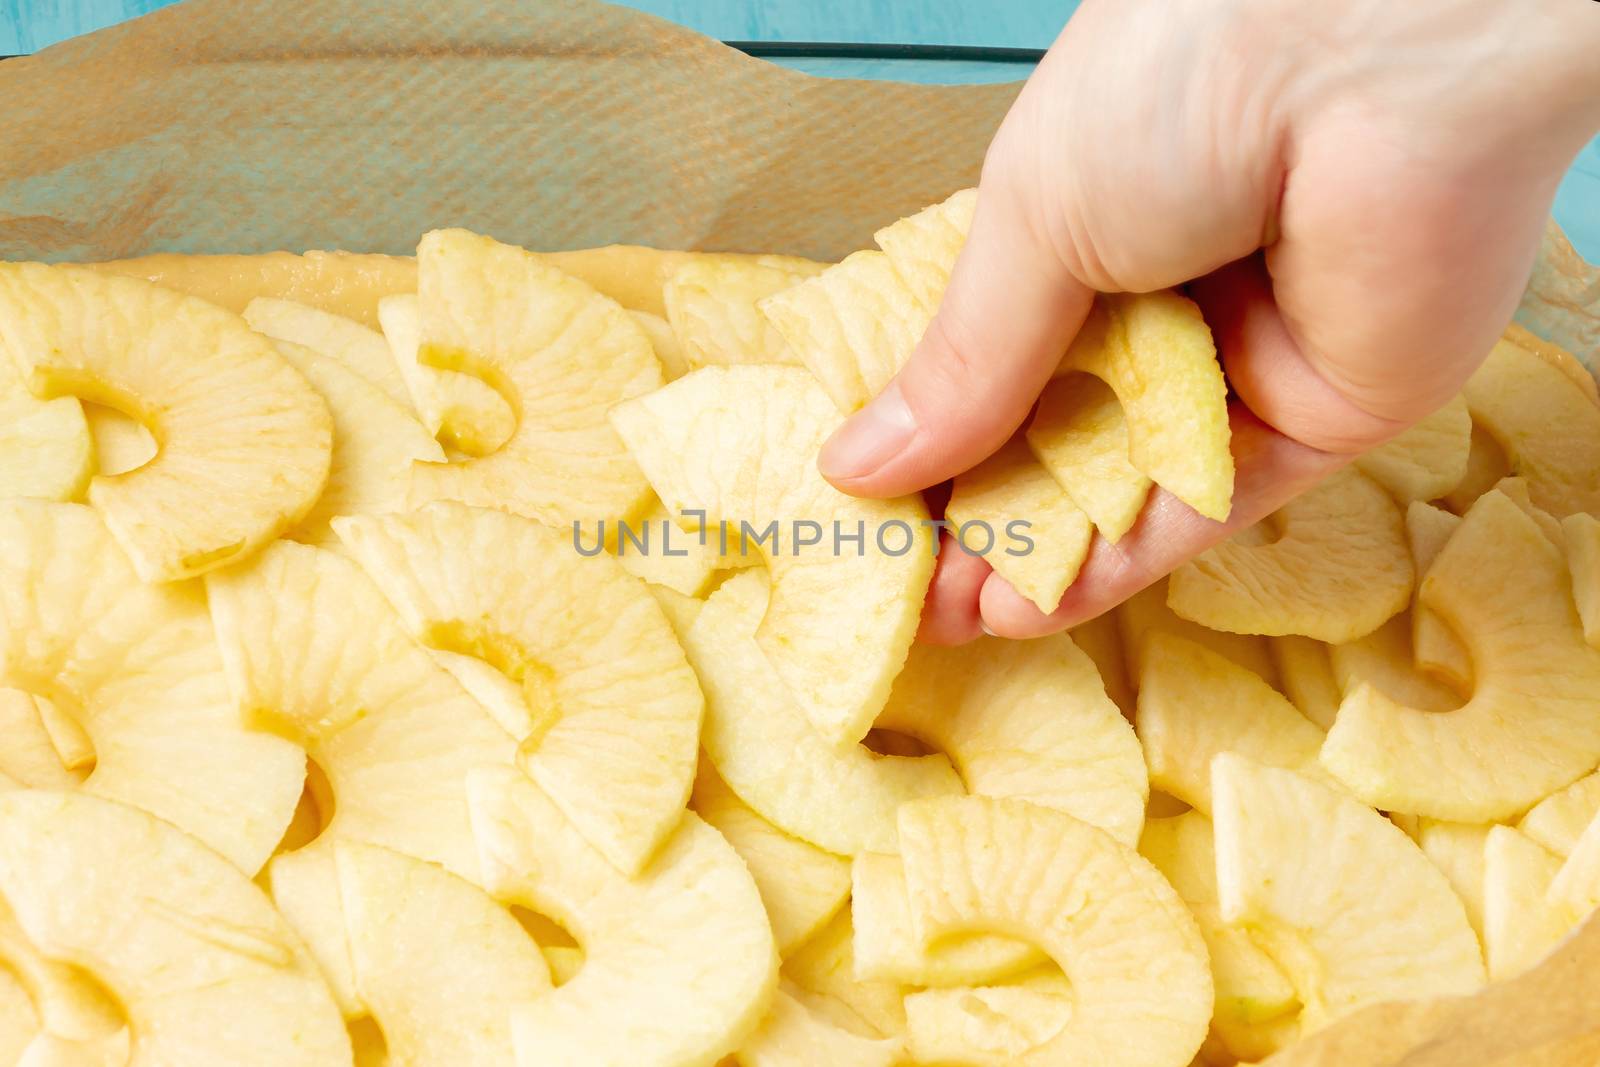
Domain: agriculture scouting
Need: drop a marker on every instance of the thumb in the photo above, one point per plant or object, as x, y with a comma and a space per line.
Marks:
1010, 311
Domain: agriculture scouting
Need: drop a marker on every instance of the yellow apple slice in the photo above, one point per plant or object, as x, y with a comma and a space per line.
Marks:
1548, 427
989, 1025
121, 444
1576, 886
824, 971
1457, 849
1520, 926
711, 305
615, 709
440, 966
560, 354
1131, 951
1529, 726
801, 885
1250, 988
1011, 511
357, 348
1385, 661
27, 758
1558, 357
842, 800
1026, 719
792, 1035
72, 1011
668, 349
135, 668
1338, 895
1520, 494
855, 324
1557, 821
1306, 670
245, 441
887, 948
679, 960
1079, 433
203, 968
1427, 461
1339, 569
680, 610
1435, 646
1581, 537
375, 444
46, 452
19, 1023
1099, 640
656, 550
740, 444
1156, 353
1144, 615
1194, 704
457, 409
1486, 465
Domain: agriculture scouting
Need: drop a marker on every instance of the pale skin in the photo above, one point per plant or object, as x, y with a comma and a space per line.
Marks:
1354, 192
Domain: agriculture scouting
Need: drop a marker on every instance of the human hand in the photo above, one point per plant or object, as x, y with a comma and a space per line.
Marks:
1395, 162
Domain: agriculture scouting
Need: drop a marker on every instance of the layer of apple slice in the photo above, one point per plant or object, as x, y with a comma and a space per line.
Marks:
71, 1011
841, 799
458, 409
988, 1025
1251, 990
1337, 895
656, 550
1385, 660
46, 452
1548, 426
793, 1035
1145, 614
1100, 640
711, 304
1434, 645
1557, 821
1581, 537
740, 444
1128, 947
203, 968
357, 348
1576, 886
121, 444
1026, 719
665, 344
801, 885
19, 1023
134, 670
614, 710
1194, 704
679, 960
1529, 726
559, 353
1339, 568
1079, 433
824, 971
855, 324
375, 444
1486, 465
1012, 512
888, 949
1457, 849
1305, 671
1520, 926
1156, 353
439, 965
1428, 460
245, 441
27, 758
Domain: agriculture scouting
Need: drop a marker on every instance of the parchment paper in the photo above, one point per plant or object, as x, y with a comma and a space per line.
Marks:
257, 125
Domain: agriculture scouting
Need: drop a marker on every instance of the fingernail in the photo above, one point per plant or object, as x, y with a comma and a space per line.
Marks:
869, 438
985, 628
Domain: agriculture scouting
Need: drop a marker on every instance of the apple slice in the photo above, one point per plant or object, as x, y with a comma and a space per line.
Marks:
740, 444
203, 968
135, 669
1339, 569
1144, 615
1581, 536
121, 444
559, 353
245, 441
679, 961
1080, 434
842, 800
357, 348
439, 964
1457, 849
1306, 671
1026, 719
614, 708
1529, 726
1436, 647
824, 971
792, 1035
1385, 661
1338, 895
1131, 951
1557, 821
711, 305
801, 885
1427, 461
457, 409
46, 452
1520, 926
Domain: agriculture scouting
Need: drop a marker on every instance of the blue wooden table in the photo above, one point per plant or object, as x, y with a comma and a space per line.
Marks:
28, 25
